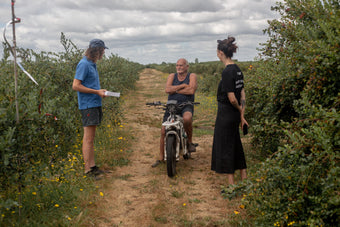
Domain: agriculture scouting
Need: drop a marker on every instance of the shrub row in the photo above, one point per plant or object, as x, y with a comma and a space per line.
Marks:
293, 103
43, 146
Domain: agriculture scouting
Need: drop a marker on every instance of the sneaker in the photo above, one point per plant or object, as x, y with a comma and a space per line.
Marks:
156, 163
95, 171
90, 174
191, 147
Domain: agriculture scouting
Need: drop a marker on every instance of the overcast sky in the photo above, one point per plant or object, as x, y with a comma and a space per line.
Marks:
144, 31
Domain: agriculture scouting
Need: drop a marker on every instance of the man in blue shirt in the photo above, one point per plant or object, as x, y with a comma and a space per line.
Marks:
86, 83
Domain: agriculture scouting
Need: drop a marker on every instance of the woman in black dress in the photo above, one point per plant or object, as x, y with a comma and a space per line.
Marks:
227, 152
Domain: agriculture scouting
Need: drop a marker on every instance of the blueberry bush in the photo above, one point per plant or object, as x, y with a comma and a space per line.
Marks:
293, 107
41, 166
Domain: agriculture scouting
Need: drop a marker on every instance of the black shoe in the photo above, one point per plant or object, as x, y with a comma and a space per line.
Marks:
95, 171
93, 176
191, 147
156, 163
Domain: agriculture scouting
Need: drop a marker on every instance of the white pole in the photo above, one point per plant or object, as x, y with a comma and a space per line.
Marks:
15, 64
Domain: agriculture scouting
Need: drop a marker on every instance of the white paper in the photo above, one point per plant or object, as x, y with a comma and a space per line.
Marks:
114, 94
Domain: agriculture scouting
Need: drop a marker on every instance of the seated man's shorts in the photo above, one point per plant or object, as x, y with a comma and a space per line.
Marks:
187, 108
91, 116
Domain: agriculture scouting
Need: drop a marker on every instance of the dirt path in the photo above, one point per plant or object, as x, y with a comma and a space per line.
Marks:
139, 195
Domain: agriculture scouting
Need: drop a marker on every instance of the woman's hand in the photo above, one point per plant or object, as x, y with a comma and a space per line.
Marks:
243, 122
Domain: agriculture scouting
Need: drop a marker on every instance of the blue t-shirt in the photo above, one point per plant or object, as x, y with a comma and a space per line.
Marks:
87, 72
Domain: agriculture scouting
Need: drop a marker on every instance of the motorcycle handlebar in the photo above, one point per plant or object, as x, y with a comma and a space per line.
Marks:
158, 103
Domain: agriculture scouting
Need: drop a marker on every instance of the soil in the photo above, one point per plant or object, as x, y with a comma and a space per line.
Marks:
139, 195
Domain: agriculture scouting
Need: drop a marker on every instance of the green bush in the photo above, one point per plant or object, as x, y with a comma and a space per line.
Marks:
294, 104
262, 84
299, 184
41, 153
301, 56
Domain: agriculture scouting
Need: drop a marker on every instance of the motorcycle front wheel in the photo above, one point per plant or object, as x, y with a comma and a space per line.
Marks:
171, 155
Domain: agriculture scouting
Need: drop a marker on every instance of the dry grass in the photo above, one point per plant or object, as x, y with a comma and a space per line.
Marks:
138, 195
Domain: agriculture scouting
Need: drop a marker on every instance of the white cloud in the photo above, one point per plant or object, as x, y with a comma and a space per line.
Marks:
146, 31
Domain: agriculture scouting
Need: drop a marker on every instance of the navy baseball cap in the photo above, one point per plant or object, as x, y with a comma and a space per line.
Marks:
97, 43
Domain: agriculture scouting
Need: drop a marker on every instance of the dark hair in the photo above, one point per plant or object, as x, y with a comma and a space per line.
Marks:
94, 53
227, 46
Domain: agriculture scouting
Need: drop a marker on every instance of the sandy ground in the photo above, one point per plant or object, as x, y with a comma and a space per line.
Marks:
139, 195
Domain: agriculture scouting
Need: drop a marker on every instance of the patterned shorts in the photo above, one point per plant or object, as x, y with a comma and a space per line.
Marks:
91, 116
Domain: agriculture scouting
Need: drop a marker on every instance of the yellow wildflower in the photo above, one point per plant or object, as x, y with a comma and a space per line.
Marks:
291, 223
236, 212
277, 224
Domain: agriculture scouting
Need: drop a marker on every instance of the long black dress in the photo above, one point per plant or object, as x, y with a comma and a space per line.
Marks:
227, 152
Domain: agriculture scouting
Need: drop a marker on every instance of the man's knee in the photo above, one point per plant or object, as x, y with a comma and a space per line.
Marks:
187, 118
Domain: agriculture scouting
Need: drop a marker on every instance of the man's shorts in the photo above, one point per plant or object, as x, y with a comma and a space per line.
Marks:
187, 108
91, 116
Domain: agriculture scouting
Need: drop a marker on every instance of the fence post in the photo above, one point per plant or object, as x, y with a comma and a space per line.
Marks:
16, 94
15, 64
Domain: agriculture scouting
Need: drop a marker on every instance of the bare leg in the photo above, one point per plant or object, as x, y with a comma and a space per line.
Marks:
243, 174
161, 143
88, 147
230, 178
187, 123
